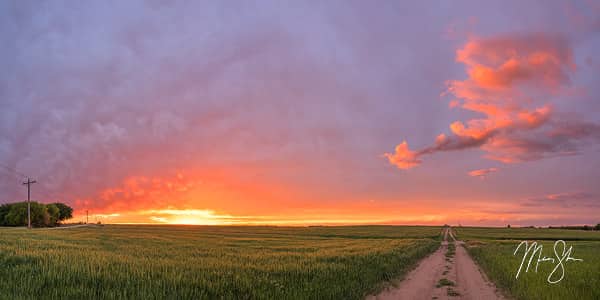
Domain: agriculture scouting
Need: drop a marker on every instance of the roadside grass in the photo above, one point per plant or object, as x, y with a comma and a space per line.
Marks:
493, 250
516, 233
451, 251
207, 262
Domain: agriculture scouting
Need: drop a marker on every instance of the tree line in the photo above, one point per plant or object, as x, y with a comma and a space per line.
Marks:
42, 215
584, 227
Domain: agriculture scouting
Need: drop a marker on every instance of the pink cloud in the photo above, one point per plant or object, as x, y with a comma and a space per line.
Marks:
403, 158
482, 173
510, 81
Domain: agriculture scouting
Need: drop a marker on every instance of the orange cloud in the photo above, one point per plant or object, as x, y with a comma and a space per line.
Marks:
403, 158
482, 173
140, 192
504, 62
510, 81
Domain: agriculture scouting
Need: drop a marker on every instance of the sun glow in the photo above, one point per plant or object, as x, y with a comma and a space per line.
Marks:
192, 221
188, 216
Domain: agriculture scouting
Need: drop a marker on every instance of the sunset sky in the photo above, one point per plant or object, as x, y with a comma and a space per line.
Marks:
312, 112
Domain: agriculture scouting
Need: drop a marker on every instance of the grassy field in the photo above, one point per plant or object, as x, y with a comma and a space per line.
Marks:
493, 250
200, 262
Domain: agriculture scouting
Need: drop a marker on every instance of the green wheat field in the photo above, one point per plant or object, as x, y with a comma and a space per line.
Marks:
493, 249
244, 262
207, 262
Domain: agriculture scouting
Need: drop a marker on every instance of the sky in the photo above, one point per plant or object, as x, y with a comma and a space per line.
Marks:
481, 113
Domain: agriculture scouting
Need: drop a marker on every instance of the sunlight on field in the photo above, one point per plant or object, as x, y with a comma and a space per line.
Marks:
207, 262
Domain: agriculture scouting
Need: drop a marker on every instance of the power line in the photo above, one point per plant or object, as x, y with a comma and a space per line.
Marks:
51, 194
22, 176
11, 175
12, 170
47, 193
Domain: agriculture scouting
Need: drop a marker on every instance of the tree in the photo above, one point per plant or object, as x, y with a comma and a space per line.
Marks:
64, 211
53, 214
597, 226
17, 214
42, 215
4, 209
39, 215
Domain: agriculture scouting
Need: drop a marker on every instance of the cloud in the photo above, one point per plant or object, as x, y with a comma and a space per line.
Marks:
511, 80
89, 105
564, 200
403, 158
140, 192
482, 173
502, 63
287, 102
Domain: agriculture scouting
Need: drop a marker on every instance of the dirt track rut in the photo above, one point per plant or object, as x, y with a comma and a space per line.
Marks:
460, 277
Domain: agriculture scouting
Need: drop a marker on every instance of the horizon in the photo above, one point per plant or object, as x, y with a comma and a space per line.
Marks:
480, 114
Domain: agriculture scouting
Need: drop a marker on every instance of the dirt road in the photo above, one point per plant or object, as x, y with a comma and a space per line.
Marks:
448, 273
72, 226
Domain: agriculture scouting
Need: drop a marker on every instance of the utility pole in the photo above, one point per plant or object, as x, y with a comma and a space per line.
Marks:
87, 217
29, 183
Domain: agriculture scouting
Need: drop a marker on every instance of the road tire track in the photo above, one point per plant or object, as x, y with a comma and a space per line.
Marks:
444, 276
